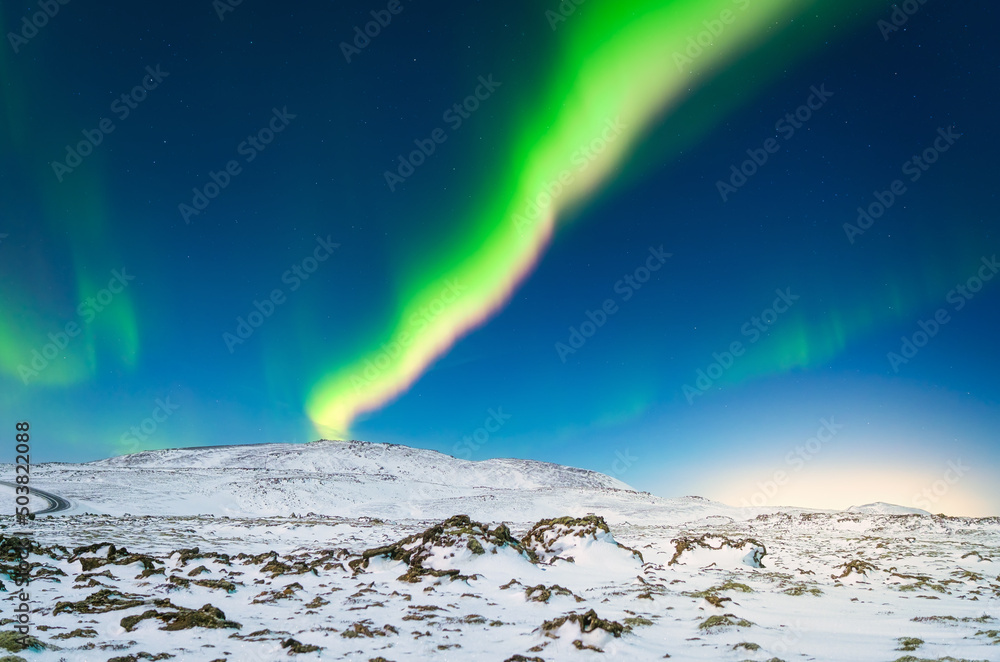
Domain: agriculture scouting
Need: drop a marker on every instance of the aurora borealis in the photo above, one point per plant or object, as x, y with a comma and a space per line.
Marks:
617, 68
460, 212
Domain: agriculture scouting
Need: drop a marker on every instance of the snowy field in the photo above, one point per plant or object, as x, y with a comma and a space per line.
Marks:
401, 554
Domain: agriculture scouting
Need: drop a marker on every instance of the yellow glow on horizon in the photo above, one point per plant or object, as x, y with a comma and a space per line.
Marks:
937, 490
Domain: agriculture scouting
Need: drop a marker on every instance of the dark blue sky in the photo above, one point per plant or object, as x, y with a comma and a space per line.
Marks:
158, 350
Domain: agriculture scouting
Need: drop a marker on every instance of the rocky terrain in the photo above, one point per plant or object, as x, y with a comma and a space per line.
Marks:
632, 577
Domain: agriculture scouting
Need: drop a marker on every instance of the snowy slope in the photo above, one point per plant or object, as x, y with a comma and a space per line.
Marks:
360, 458
350, 479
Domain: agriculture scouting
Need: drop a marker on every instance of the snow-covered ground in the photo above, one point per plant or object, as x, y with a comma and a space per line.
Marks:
378, 564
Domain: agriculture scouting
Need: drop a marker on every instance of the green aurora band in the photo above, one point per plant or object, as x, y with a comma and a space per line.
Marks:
619, 76
74, 231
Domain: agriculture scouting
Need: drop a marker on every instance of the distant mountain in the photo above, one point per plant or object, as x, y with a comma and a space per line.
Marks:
352, 479
380, 461
882, 508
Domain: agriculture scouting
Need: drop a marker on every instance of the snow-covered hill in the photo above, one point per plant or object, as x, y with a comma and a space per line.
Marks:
350, 479
361, 458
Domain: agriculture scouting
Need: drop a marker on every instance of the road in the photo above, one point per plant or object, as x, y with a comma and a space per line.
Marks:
56, 502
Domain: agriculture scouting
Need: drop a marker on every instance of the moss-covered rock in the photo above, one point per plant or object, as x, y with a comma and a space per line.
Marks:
909, 643
114, 556
135, 657
183, 582
636, 621
711, 595
587, 622
459, 531
723, 621
364, 629
186, 555
295, 647
86, 633
15, 642
542, 593
802, 589
102, 601
855, 566
756, 551
181, 618
547, 538
92, 575
269, 597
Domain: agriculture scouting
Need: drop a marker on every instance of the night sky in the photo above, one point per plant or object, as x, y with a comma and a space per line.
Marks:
743, 249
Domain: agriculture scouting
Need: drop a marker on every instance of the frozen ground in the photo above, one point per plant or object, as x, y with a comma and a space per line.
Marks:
386, 571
